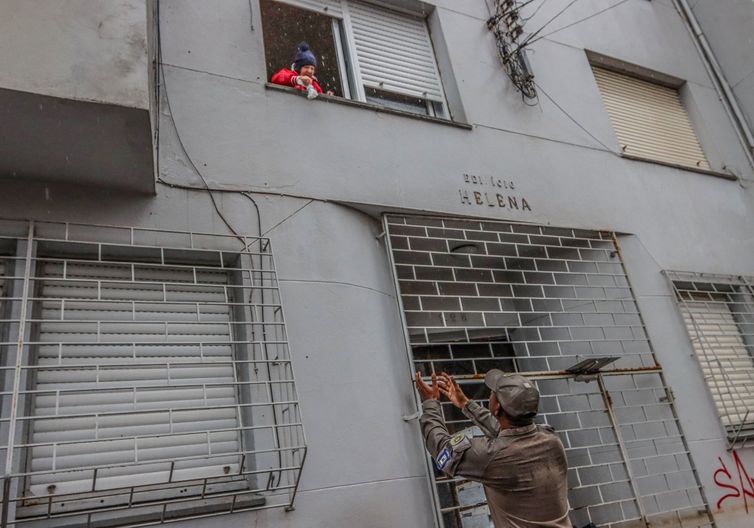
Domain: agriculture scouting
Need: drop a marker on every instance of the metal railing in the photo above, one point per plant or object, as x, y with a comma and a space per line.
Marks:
146, 377
718, 312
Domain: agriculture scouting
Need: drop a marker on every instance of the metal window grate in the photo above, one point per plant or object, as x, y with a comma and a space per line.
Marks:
478, 295
718, 312
147, 377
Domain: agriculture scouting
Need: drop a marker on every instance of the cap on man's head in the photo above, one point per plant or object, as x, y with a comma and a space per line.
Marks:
518, 397
303, 57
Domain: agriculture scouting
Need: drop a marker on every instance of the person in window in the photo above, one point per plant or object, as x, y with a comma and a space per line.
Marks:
522, 465
301, 73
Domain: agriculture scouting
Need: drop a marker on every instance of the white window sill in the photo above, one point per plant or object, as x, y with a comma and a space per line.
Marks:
709, 172
369, 106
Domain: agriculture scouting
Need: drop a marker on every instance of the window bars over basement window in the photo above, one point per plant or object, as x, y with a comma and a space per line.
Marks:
479, 295
718, 312
146, 377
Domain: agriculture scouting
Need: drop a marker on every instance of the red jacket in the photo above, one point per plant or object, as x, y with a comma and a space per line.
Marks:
286, 77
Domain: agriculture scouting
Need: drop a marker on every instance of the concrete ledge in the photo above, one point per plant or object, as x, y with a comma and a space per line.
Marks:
76, 142
369, 106
708, 172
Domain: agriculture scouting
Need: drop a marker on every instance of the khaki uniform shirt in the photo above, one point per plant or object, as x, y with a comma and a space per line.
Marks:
523, 469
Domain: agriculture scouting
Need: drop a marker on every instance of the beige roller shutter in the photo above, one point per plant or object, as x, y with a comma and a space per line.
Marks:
649, 120
728, 368
141, 357
394, 52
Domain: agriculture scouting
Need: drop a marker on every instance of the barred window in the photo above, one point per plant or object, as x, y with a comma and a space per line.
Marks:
718, 312
149, 375
537, 300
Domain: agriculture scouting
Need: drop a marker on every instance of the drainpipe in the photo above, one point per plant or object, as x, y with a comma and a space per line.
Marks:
721, 84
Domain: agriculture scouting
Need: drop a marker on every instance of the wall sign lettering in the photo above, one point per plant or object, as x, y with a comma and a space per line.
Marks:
489, 191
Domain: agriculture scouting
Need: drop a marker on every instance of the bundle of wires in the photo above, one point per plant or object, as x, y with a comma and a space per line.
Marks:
506, 25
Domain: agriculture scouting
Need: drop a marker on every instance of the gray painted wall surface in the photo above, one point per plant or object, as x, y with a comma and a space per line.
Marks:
366, 466
720, 20
78, 49
75, 96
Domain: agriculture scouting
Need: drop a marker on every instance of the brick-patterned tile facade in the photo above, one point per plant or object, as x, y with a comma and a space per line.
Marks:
479, 295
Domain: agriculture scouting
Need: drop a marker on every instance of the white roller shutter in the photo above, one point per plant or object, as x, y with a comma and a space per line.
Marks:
649, 120
728, 368
327, 7
148, 352
394, 52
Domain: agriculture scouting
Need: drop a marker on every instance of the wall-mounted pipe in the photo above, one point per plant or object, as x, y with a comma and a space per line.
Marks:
721, 84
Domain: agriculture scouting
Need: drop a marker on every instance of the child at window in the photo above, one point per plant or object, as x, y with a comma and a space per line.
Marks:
301, 73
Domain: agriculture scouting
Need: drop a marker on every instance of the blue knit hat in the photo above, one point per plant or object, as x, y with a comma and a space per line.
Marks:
304, 57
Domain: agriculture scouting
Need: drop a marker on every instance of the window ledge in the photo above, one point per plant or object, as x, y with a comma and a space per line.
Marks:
709, 172
369, 106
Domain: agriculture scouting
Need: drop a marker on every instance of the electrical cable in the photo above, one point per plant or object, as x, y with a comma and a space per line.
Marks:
242, 238
194, 167
579, 21
164, 91
157, 77
251, 16
535, 11
574, 120
287, 217
504, 25
537, 32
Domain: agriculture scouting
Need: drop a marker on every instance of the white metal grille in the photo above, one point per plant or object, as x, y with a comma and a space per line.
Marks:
479, 295
719, 315
649, 120
394, 52
151, 379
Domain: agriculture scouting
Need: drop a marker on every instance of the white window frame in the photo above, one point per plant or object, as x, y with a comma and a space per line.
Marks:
348, 62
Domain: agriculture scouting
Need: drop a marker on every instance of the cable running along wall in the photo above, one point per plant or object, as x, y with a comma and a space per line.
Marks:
146, 377
536, 300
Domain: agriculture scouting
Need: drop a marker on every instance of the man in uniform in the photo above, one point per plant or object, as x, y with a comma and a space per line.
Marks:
521, 464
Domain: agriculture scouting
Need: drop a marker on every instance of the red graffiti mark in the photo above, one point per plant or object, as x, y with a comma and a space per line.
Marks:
744, 487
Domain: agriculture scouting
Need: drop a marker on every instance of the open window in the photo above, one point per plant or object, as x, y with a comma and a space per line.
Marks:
365, 52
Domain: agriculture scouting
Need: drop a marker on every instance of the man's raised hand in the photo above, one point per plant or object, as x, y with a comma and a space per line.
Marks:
450, 388
427, 392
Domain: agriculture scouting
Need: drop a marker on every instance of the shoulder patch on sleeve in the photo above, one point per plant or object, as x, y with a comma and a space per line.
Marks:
456, 448
443, 458
460, 443
457, 439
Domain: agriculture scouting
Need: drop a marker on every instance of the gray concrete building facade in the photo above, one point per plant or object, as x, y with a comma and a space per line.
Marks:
160, 365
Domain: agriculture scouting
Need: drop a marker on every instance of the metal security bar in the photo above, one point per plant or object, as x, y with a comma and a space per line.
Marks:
478, 295
146, 377
718, 311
